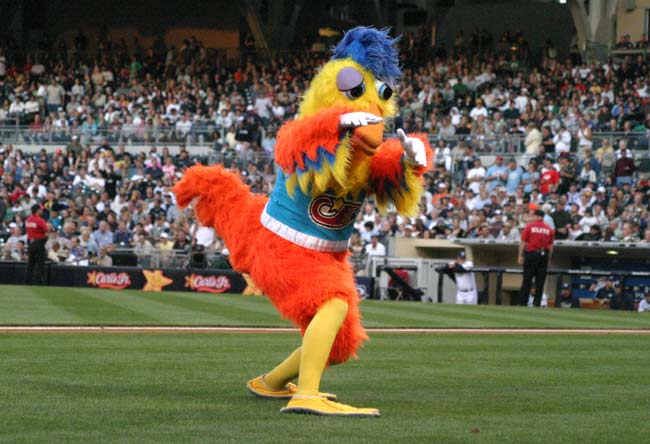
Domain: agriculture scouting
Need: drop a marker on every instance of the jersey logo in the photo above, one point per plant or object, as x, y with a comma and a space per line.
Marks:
333, 212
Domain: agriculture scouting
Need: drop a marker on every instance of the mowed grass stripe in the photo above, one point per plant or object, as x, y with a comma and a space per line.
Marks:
22, 304
84, 306
443, 315
90, 307
457, 316
226, 312
530, 316
447, 389
156, 310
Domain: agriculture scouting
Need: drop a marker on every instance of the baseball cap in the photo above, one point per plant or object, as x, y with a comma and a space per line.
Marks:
499, 157
164, 235
533, 206
611, 277
565, 286
601, 189
539, 213
461, 254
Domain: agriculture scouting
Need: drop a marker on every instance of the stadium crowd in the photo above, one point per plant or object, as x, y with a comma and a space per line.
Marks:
581, 128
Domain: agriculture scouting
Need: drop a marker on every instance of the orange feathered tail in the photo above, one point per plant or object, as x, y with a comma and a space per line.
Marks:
226, 204
298, 281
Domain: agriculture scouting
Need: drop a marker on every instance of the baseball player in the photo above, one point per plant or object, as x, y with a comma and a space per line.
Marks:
460, 271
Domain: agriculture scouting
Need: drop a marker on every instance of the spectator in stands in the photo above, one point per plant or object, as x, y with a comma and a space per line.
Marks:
103, 236
102, 259
122, 236
624, 169
375, 248
181, 242
76, 253
533, 141
476, 176
496, 174
562, 141
56, 254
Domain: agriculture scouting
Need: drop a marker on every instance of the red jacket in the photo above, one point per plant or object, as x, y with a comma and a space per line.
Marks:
36, 227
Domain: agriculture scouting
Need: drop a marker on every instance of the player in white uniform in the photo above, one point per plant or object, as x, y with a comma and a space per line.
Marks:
644, 305
461, 272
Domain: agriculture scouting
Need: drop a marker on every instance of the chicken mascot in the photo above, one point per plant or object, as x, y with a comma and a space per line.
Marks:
294, 243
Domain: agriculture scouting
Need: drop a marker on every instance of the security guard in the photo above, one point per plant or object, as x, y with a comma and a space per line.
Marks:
535, 251
37, 230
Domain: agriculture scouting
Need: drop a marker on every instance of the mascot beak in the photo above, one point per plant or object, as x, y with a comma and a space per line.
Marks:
368, 138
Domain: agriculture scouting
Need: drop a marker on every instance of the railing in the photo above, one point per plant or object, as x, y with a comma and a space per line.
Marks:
203, 133
207, 133
161, 258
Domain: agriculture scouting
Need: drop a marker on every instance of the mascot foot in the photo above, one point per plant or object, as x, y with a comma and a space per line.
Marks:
316, 405
258, 387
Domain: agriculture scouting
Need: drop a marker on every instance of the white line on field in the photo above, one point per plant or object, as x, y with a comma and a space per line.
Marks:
163, 329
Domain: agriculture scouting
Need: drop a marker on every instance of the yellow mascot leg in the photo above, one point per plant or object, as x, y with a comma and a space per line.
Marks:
316, 346
277, 384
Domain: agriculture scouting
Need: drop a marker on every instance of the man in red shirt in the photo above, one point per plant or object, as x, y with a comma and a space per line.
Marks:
549, 178
535, 251
37, 230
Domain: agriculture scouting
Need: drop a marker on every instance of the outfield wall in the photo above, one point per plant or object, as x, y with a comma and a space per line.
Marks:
136, 278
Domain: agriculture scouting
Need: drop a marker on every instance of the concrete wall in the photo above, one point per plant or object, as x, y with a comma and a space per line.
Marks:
214, 22
631, 22
538, 21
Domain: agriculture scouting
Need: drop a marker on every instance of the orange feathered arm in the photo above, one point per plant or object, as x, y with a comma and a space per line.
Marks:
394, 179
299, 140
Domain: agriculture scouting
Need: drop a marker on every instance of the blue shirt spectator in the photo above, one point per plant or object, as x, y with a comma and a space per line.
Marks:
103, 236
530, 179
496, 174
514, 176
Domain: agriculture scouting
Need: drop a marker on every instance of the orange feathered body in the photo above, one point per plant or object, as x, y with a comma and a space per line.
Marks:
297, 280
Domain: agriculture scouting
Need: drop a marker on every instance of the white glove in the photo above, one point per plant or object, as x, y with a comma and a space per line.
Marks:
351, 120
414, 148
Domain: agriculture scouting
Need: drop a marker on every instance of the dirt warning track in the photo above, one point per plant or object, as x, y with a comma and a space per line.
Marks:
266, 330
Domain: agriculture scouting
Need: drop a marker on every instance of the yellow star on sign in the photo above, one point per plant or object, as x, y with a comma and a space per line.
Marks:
156, 280
251, 289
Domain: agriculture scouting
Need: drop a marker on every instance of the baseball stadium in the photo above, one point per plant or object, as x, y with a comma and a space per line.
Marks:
285, 221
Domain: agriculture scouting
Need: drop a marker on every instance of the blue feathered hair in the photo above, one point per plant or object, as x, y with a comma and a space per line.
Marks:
373, 49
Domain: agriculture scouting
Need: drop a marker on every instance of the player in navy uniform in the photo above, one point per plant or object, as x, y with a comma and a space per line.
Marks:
535, 251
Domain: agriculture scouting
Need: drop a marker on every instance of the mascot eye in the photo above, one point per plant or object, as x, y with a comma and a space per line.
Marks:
355, 92
385, 91
350, 82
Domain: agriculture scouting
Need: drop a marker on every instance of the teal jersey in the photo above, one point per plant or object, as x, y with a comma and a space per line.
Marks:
323, 223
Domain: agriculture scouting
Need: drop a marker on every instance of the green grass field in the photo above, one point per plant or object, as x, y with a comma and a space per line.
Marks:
81, 306
185, 388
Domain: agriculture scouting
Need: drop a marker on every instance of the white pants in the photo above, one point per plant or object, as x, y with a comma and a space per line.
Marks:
467, 297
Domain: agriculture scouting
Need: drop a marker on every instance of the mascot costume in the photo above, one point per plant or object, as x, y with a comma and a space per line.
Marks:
294, 242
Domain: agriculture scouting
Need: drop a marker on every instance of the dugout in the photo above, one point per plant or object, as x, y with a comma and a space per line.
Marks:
572, 261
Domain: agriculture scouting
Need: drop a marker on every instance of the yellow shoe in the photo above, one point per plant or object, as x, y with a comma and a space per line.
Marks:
315, 405
258, 387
